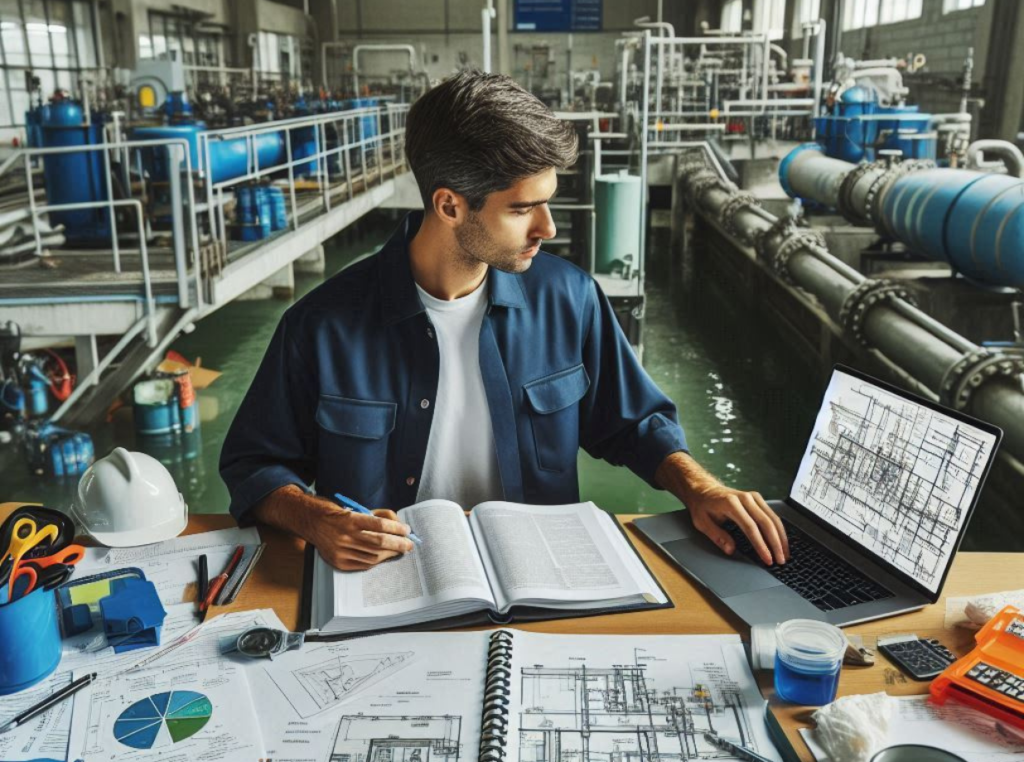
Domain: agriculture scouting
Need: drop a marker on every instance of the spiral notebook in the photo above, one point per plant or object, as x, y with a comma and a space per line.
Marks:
506, 563
513, 696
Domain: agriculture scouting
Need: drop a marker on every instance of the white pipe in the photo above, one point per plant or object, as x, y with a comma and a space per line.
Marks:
486, 14
379, 49
324, 47
819, 65
1011, 156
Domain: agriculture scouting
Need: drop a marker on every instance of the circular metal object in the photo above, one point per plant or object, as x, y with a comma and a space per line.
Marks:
732, 207
797, 239
973, 370
700, 182
259, 642
892, 172
846, 208
782, 228
863, 299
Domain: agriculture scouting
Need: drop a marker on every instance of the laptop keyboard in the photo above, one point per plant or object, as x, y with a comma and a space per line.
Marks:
814, 572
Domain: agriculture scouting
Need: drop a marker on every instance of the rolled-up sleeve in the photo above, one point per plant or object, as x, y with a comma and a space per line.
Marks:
625, 418
270, 443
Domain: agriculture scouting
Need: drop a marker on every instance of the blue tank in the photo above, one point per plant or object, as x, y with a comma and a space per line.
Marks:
228, 158
860, 127
74, 178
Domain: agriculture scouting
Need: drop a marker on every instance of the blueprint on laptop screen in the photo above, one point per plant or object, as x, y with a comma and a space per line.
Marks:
896, 477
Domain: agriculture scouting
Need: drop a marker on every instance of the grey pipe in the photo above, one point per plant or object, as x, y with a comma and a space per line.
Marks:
380, 48
927, 352
1011, 156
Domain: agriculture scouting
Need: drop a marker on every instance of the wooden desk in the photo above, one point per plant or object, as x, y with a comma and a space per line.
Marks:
277, 581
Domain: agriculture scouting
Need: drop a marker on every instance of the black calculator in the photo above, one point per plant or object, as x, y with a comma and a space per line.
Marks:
922, 659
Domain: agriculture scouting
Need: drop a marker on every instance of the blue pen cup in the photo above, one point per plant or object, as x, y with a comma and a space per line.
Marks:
808, 659
30, 645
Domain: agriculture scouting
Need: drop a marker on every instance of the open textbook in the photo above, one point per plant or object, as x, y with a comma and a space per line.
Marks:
507, 562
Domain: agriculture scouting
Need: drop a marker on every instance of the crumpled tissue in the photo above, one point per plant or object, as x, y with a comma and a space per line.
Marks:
853, 728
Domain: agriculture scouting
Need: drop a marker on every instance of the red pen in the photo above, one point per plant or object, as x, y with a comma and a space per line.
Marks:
220, 580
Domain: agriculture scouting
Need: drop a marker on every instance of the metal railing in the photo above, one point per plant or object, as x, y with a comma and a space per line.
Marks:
353, 151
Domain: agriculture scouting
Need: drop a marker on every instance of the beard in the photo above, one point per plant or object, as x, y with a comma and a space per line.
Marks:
476, 245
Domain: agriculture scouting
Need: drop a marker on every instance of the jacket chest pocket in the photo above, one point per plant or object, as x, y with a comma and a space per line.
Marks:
353, 445
555, 417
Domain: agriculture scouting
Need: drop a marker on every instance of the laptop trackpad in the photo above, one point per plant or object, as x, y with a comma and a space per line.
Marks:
724, 575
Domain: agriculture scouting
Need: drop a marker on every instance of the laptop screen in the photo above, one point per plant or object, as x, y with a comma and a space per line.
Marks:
896, 476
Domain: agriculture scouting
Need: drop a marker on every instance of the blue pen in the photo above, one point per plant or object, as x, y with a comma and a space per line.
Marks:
352, 505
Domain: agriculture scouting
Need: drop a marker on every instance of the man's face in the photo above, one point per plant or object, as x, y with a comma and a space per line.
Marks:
507, 232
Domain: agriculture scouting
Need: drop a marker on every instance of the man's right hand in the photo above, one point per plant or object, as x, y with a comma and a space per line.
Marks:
354, 541
347, 541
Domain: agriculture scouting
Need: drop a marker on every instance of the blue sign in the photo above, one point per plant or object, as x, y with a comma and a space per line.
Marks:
558, 15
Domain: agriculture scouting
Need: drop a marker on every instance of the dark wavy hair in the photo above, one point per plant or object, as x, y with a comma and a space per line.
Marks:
478, 133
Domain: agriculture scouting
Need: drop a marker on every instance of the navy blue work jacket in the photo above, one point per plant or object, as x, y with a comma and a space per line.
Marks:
344, 397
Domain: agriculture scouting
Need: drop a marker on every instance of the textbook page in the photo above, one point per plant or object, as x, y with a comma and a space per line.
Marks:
441, 575
632, 697
555, 553
422, 695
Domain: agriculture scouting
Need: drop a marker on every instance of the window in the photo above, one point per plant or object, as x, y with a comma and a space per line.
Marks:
732, 16
864, 13
54, 39
770, 17
281, 56
806, 11
948, 6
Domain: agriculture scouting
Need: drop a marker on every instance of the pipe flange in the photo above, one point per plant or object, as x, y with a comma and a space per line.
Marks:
797, 239
733, 206
849, 182
701, 182
891, 174
782, 228
972, 371
865, 297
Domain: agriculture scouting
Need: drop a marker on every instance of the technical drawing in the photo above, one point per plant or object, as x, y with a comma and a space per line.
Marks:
334, 680
893, 475
619, 714
368, 738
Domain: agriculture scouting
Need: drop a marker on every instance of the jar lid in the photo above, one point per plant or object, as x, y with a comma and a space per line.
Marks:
810, 643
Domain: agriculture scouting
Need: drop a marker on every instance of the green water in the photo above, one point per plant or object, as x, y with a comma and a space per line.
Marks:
745, 419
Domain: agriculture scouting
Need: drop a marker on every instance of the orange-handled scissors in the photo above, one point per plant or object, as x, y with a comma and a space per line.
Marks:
35, 578
69, 556
24, 536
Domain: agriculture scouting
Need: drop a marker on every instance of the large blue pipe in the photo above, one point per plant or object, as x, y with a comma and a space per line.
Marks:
972, 220
228, 158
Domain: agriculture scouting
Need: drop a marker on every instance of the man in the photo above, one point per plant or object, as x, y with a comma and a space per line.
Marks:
460, 361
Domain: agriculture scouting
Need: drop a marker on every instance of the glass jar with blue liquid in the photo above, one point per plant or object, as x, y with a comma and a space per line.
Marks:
808, 659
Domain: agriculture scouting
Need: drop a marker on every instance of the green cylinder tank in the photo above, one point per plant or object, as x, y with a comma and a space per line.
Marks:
617, 207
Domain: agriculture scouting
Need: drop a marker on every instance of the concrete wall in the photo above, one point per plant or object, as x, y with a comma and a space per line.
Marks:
944, 38
448, 33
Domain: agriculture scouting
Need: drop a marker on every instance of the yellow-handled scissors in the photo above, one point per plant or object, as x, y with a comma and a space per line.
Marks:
26, 535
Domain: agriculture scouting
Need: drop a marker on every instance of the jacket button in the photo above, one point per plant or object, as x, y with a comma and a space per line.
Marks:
424, 404
430, 333
411, 480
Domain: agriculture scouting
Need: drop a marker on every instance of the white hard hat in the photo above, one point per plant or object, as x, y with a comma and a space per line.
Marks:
129, 498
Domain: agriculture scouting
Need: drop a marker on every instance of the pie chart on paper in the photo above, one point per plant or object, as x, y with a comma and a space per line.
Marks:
163, 719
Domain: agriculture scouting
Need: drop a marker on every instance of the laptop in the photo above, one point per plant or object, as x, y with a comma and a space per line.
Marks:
878, 508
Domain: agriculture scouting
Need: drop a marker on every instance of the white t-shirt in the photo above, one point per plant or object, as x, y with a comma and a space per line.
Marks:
461, 463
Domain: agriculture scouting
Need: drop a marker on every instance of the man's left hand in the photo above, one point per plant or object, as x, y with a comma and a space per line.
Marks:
750, 512
711, 504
